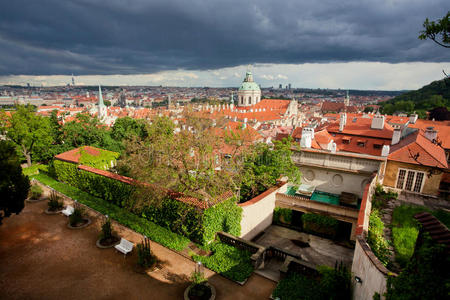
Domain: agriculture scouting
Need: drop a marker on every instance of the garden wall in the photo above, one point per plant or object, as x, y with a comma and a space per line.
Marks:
366, 207
370, 270
257, 213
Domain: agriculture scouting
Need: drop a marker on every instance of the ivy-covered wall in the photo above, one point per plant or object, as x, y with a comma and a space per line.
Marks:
320, 225
66, 172
109, 189
225, 216
190, 221
177, 216
102, 161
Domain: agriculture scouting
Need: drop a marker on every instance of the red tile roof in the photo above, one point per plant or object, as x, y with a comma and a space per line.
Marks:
442, 128
428, 154
362, 127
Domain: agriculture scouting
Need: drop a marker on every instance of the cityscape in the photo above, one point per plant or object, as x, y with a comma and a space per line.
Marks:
224, 161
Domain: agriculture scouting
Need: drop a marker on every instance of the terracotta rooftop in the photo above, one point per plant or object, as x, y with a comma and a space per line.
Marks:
417, 149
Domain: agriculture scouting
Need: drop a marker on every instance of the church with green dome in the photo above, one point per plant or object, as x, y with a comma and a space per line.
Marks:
249, 93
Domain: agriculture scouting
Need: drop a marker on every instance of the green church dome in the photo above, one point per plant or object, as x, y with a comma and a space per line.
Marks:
248, 84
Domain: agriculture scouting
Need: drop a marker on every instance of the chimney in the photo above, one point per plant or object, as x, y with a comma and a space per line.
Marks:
413, 118
333, 147
378, 121
396, 136
342, 121
307, 137
431, 133
385, 150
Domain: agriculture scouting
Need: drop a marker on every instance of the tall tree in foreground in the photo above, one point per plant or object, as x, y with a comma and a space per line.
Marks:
14, 185
27, 130
437, 31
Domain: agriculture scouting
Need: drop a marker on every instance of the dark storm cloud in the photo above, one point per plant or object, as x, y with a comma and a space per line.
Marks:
141, 36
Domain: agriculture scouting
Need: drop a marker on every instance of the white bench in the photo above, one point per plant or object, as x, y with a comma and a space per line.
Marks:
68, 210
124, 246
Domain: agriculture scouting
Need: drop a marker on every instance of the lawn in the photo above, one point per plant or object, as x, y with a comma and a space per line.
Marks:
228, 261
405, 229
155, 232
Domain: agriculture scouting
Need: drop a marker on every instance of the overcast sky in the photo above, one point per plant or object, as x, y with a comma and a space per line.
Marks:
349, 44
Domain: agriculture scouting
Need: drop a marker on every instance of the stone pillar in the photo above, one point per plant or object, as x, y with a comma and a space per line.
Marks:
353, 232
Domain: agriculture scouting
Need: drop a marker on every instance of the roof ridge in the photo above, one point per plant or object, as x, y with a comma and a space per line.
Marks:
429, 152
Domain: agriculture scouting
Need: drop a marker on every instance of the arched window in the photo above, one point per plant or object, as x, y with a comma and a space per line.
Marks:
242, 100
249, 100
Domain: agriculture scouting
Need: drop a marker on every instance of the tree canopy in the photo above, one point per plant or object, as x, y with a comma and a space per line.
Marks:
27, 130
14, 186
192, 161
438, 31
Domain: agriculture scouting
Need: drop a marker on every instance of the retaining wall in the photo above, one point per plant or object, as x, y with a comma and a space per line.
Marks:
257, 213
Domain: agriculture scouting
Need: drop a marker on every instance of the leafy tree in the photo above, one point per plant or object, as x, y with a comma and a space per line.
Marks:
27, 130
127, 128
439, 114
438, 31
368, 109
263, 166
87, 130
14, 186
107, 103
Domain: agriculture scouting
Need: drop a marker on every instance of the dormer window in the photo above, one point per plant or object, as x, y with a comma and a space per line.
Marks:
346, 141
377, 146
360, 143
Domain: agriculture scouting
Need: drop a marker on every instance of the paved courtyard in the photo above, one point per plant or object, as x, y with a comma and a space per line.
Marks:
320, 251
40, 258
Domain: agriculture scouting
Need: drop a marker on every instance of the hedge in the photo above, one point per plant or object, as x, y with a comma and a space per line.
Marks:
228, 261
320, 225
156, 233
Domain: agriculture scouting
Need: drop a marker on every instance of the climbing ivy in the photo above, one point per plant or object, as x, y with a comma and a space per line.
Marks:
225, 216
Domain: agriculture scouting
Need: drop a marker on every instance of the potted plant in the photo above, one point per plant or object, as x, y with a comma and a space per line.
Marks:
77, 219
35, 193
146, 260
107, 238
55, 205
199, 289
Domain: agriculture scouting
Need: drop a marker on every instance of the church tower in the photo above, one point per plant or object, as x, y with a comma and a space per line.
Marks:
249, 93
101, 105
347, 100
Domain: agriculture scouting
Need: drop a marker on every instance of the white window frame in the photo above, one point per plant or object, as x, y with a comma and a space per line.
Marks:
413, 181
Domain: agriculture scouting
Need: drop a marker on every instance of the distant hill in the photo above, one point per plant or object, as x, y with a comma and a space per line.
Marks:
427, 98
